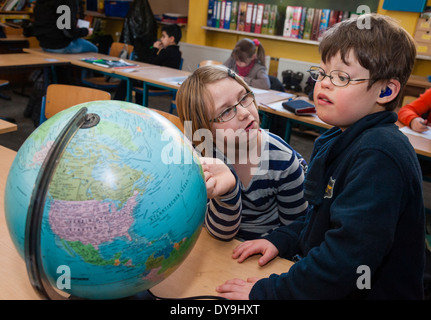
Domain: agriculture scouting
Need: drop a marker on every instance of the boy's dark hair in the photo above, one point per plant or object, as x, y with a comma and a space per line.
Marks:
380, 45
173, 30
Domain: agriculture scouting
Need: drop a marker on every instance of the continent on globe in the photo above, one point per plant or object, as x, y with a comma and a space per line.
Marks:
91, 221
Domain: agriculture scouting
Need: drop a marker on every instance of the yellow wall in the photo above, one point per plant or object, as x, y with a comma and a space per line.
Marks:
197, 17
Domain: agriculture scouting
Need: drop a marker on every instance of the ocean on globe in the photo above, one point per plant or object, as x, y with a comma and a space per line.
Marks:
125, 205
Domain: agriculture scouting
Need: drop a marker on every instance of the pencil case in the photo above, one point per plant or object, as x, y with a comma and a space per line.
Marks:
299, 107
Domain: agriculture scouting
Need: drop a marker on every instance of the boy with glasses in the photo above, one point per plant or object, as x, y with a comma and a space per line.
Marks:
364, 237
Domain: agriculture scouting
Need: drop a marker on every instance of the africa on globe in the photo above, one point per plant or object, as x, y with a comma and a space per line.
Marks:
121, 210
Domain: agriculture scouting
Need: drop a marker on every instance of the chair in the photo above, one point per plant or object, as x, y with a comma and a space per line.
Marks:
60, 96
172, 118
208, 63
154, 91
102, 82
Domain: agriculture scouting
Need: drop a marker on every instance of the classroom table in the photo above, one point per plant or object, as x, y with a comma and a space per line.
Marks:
421, 145
13, 43
17, 60
6, 126
76, 60
157, 76
209, 264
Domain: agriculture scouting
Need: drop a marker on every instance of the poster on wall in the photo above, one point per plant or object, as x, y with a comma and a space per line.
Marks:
402, 5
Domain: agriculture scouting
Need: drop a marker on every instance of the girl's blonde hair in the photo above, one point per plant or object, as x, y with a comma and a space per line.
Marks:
193, 96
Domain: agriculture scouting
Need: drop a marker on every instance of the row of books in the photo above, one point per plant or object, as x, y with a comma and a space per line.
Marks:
296, 22
310, 23
243, 16
12, 5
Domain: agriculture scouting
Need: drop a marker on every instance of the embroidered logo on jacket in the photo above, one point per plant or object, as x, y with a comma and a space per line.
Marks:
329, 188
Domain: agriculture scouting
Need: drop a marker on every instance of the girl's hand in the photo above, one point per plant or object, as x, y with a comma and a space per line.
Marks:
219, 179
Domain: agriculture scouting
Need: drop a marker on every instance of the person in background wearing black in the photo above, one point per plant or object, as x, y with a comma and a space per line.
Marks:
58, 37
166, 51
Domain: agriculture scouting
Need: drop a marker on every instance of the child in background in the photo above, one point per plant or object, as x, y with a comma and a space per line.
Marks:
412, 114
248, 60
364, 237
257, 184
166, 51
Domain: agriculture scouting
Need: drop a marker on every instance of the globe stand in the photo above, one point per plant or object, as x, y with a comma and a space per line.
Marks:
32, 252
143, 295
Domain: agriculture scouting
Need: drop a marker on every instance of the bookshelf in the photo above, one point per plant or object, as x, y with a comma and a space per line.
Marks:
260, 35
6, 16
300, 21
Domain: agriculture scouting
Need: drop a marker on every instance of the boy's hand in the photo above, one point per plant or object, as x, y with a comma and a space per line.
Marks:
219, 180
158, 44
419, 125
236, 289
259, 246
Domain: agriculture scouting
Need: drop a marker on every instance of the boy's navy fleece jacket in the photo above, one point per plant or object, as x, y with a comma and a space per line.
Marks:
364, 186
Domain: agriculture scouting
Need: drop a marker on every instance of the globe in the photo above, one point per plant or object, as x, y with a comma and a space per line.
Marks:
104, 200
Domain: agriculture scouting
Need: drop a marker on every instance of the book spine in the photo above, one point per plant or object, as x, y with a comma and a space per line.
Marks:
265, 18
227, 15
248, 17
222, 13
242, 10
273, 19
288, 22
253, 18
308, 24
210, 13
259, 18
234, 15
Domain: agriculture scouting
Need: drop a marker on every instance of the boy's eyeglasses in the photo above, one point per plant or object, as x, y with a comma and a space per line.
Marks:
230, 112
338, 78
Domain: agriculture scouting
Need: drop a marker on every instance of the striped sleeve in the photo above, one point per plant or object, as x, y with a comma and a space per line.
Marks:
223, 215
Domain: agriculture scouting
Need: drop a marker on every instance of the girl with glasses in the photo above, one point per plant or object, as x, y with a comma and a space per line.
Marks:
254, 178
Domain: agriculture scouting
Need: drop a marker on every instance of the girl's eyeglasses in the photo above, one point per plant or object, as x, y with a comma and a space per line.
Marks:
230, 112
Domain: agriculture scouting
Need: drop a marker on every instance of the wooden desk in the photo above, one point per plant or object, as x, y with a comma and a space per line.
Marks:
157, 76
17, 60
6, 126
209, 264
76, 60
421, 145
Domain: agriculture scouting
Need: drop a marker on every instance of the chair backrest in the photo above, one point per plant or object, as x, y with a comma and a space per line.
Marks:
208, 63
172, 118
62, 96
117, 47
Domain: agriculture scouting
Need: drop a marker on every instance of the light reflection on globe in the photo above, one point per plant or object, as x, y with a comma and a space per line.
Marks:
125, 204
